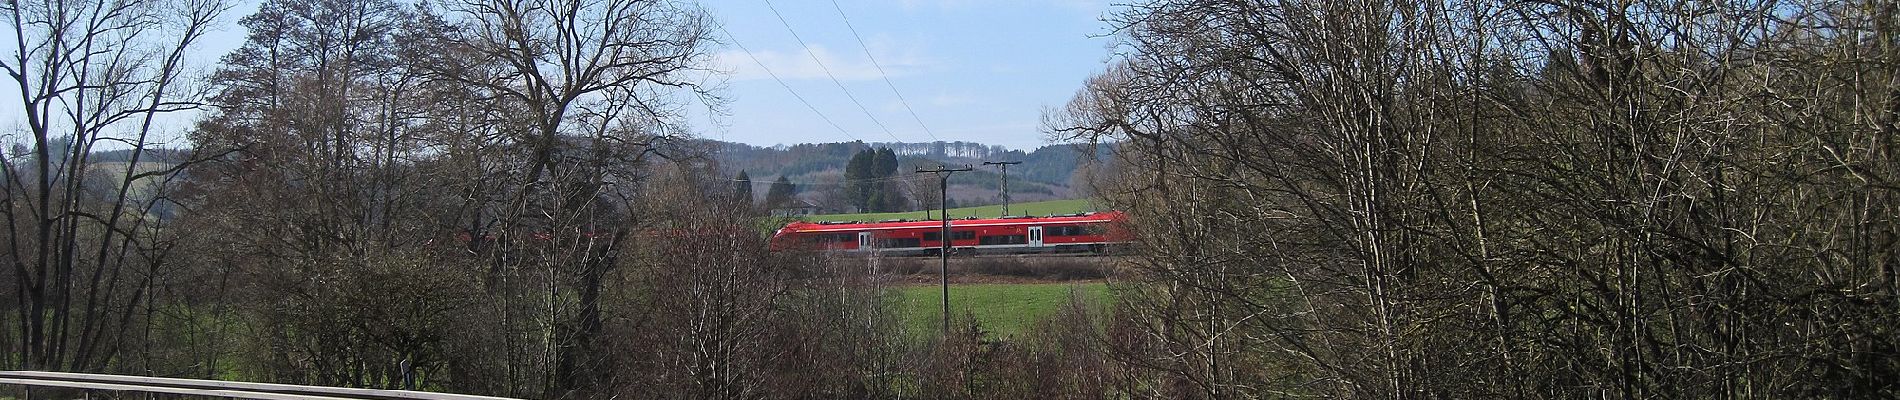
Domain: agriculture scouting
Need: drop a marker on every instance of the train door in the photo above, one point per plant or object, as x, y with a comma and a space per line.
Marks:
865, 242
1035, 236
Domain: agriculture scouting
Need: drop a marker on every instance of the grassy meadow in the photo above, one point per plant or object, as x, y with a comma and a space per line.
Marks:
1003, 309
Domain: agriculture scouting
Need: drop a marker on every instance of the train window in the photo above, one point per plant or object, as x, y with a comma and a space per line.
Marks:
954, 235
1072, 230
1003, 239
831, 238
899, 243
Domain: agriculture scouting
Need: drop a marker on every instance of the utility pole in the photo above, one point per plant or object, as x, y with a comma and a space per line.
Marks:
943, 236
1005, 187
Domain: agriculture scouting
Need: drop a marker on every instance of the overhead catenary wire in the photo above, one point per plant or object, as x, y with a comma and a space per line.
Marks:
781, 83
880, 70
828, 74
893, 178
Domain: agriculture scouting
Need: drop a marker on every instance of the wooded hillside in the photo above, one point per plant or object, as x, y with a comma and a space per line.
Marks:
1045, 173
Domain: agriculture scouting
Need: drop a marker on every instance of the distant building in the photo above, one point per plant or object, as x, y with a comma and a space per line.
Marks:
797, 207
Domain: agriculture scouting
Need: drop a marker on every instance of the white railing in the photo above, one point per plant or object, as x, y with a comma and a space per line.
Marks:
209, 388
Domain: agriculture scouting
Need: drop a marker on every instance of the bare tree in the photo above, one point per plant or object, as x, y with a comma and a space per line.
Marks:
592, 80
331, 208
82, 236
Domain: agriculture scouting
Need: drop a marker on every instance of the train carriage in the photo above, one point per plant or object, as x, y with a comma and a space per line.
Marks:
1072, 233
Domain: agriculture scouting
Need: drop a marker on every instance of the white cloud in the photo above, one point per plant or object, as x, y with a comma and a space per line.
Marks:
797, 65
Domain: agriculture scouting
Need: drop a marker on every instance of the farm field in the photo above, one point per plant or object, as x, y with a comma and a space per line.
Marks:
1003, 309
1035, 208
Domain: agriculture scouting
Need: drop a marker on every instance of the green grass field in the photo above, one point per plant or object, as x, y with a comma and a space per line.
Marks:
1003, 309
1036, 208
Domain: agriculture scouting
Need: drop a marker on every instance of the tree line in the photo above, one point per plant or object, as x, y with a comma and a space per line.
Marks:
1046, 173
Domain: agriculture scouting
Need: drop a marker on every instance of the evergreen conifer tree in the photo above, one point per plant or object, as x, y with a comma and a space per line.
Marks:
742, 187
780, 194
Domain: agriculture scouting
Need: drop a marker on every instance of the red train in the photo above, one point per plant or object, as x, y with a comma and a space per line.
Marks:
1086, 232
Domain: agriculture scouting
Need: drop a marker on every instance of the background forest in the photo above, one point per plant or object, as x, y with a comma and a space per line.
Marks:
1353, 199
833, 176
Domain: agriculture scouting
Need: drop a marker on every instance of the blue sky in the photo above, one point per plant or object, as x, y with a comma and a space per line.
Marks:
974, 70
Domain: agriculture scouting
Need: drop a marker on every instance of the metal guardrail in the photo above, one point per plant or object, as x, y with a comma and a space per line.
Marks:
211, 388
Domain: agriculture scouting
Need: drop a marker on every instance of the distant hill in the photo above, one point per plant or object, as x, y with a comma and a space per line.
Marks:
1043, 175
158, 155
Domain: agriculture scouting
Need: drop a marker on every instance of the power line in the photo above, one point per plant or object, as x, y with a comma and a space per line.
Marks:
880, 70
781, 82
834, 78
894, 178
